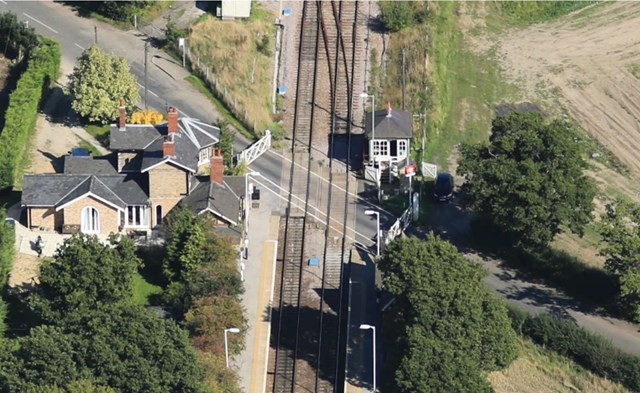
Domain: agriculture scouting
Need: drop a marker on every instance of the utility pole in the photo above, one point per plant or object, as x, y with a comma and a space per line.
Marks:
403, 78
95, 32
146, 52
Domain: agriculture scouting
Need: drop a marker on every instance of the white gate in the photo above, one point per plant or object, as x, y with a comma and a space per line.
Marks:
398, 227
429, 170
251, 153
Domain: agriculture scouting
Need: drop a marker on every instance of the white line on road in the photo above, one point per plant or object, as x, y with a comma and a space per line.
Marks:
78, 45
150, 92
37, 21
3, 2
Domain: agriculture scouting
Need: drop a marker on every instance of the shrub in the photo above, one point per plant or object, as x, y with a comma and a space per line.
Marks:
147, 116
398, 15
588, 350
20, 118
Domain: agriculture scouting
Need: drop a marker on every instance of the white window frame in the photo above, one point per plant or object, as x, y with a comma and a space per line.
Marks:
402, 148
90, 223
204, 155
379, 148
139, 215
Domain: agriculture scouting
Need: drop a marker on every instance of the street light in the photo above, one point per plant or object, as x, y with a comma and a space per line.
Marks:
364, 326
226, 344
377, 214
373, 126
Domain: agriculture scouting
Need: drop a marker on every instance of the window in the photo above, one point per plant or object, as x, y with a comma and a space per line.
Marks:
402, 148
90, 220
203, 156
159, 215
380, 148
137, 216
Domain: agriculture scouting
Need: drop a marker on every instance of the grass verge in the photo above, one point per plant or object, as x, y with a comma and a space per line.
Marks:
100, 132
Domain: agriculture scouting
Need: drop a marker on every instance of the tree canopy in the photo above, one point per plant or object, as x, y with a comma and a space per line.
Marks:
529, 179
98, 82
620, 231
448, 327
15, 36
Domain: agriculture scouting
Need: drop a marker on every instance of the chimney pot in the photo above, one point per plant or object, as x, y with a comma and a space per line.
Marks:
172, 120
216, 172
122, 118
168, 147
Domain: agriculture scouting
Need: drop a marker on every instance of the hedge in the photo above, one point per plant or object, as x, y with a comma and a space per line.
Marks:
20, 118
591, 351
7, 251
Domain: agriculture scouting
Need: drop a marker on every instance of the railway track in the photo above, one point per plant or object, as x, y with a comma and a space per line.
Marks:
308, 333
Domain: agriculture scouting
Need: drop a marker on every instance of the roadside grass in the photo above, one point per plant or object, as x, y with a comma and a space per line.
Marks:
539, 370
144, 292
239, 56
220, 106
635, 70
100, 132
146, 16
525, 13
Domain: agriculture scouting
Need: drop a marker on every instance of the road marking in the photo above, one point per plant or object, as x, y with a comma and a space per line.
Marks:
152, 93
339, 230
3, 2
78, 46
359, 198
37, 21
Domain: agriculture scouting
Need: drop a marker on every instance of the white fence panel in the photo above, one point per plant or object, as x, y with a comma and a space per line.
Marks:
251, 153
429, 170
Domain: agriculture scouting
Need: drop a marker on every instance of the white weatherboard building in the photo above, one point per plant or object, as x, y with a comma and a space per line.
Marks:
232, 9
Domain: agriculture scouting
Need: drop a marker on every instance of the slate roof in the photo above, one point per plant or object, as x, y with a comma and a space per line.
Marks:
223, 200
90, 165
193, 136
398, 126
186, 154
58, 189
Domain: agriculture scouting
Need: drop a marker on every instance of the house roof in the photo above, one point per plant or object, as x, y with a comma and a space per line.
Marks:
222, 200
90, 165
193, 136
186, 154
55, 190
397, 126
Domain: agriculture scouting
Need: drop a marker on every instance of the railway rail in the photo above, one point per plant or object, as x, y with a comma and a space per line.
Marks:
308, 333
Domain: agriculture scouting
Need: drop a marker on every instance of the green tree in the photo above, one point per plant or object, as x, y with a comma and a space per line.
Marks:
529, 179
15, 37
98, 82
184, 245
86, 274
444, 310
227, 136
620, 232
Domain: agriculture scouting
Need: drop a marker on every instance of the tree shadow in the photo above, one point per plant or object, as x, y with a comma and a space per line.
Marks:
20, 318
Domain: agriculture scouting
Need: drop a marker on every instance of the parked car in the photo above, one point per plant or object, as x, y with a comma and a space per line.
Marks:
443, 191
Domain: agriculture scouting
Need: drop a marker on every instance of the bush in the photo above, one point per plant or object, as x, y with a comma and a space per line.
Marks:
588, 350
399, 15
20, 118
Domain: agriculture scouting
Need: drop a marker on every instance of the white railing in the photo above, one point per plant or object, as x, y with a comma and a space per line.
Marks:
251, 153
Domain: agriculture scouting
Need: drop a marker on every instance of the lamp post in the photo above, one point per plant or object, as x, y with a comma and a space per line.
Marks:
377, 214
373, 114
364, 326
226, 342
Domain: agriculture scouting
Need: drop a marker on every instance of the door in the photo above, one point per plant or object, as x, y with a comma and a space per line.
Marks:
90, 220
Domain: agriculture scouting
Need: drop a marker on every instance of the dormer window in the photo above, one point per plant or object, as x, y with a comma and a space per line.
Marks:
203, 156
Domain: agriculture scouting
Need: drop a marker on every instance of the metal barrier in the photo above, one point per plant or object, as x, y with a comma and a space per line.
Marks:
398, 227
251, 153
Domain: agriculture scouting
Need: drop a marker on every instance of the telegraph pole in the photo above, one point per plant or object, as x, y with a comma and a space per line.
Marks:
146, 52
95, 32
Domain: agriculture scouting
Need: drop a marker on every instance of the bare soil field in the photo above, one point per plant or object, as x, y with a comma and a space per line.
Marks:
585, 63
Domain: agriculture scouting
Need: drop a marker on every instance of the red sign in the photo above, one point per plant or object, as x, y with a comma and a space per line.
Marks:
410, 170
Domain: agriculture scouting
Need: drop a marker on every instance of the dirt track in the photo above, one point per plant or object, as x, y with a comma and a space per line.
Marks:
583, 61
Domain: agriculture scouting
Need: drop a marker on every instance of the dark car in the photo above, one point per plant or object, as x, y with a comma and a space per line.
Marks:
443, 190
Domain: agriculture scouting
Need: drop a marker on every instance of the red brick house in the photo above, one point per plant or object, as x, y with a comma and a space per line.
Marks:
151, 169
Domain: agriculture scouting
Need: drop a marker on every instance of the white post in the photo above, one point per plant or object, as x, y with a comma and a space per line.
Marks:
183, 57
377, 214
373, 328
226, 343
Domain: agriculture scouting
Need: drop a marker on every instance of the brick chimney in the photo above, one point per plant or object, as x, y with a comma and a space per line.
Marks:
122, 119
172, 120
168, 147
217, 167
389, 109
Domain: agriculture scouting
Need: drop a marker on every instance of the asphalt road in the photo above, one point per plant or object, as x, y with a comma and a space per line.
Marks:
166, 86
